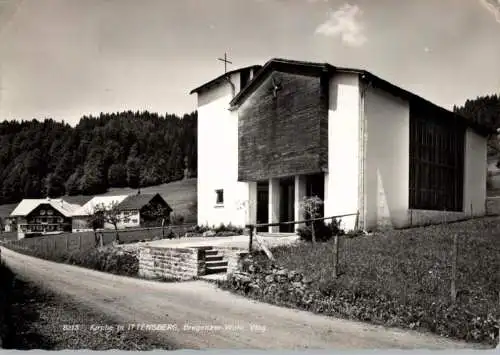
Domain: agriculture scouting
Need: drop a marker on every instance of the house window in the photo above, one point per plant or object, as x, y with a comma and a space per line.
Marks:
42, 212
50, 212
134, 220
219, 197
436, 165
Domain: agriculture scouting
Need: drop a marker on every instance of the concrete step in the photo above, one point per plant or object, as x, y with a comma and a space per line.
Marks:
276, 235
215, 264
211, 252
214, 257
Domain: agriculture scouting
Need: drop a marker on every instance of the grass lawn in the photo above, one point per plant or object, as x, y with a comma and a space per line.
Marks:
402, 278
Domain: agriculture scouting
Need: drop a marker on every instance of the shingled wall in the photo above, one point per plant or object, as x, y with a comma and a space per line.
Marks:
287, 134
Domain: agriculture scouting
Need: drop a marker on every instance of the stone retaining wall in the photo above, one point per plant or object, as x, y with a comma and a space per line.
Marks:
182, 263
233, 258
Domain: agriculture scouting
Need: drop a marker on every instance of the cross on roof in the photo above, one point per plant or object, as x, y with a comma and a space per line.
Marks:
225, 60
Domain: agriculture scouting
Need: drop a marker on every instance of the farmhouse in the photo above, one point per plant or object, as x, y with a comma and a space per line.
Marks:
269, 136
131, 211
35, 217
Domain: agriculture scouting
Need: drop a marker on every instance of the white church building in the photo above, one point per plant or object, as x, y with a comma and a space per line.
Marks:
269, 136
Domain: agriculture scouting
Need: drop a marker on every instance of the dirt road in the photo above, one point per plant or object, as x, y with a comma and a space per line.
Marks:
223, 319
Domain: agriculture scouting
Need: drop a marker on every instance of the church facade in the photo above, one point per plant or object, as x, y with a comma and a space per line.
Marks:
269, 136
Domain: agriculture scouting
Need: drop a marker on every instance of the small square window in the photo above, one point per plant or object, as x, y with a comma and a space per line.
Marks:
220, 196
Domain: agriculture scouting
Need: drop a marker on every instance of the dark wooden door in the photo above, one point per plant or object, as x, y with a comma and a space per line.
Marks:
262, 207
287, 205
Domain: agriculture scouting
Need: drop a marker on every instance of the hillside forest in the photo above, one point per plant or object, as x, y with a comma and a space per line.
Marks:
486, 111
125, 149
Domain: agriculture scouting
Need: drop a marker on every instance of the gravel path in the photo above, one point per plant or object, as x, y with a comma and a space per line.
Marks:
198, 315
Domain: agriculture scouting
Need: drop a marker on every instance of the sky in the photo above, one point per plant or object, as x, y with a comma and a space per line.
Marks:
67, 58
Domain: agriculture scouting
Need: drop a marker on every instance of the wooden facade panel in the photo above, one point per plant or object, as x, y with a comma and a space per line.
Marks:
436, 161
283, 134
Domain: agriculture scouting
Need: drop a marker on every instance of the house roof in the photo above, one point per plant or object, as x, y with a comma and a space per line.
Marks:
26, 206
136, 202
317, 69
89, 208
221, 77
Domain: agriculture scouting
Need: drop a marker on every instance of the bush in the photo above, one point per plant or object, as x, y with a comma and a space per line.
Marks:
176, 219
323, 231
198, 229
222, 228
107, 259
220, 231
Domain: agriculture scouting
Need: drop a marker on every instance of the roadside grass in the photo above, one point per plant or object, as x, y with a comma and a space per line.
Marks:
109, 259
401, 278
40, 319
122, 260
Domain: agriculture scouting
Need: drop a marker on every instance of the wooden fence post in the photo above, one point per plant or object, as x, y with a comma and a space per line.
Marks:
80, 241
454, 269
336, 254
250, 241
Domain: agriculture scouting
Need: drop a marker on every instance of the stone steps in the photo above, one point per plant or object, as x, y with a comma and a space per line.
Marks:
214, 262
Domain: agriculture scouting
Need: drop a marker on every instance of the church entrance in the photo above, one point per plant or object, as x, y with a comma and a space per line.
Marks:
287, 200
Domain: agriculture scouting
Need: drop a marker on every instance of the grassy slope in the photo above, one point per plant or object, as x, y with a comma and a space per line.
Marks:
410, 269
412, 263
179, 195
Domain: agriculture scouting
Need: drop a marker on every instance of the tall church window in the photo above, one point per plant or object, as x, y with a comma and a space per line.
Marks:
436, 163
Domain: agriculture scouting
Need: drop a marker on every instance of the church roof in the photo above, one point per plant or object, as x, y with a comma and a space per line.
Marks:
318, 69
221, 77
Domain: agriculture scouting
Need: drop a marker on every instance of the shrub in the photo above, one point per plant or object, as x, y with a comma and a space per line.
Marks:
323, 231
176, 219
198, 229
222, 228
107, 259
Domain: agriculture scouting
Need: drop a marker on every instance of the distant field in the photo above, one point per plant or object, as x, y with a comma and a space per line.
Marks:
180, 195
